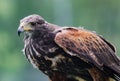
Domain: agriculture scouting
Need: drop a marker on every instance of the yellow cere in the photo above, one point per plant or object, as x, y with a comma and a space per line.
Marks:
26, 26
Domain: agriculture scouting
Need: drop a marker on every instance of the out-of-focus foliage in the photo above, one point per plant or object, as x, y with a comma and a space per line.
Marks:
102, 16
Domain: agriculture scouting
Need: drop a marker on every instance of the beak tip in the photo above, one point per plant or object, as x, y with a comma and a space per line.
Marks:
19, 32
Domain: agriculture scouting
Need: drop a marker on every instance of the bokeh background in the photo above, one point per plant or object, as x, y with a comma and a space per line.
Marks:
102, 16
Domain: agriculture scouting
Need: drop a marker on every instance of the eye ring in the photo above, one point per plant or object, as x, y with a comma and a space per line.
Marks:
33, 23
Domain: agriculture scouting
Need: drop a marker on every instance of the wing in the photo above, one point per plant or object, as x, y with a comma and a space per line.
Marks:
89, 47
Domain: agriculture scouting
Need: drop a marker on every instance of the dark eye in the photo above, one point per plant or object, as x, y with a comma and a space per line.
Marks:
33, 23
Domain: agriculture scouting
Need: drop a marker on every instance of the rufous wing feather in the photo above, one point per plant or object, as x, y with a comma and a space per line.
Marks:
89, 47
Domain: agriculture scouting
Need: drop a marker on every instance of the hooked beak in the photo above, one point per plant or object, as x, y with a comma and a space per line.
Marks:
24, 27
20, 30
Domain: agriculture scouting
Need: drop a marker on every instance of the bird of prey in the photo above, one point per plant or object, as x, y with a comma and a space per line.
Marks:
68, 53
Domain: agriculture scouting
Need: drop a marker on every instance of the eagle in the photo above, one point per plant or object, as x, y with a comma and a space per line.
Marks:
68, 53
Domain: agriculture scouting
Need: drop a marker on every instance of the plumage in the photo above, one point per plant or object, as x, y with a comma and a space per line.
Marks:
68, 53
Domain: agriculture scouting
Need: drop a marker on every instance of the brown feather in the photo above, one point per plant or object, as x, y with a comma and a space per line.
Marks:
89, 47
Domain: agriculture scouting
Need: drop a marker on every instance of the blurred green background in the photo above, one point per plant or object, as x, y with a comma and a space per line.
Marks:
102, 16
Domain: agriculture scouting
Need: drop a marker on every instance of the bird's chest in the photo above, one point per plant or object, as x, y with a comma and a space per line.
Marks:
43, 54
46, 58
49, 58
47, 61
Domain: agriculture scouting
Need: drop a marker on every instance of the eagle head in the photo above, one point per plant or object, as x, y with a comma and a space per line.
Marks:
30, 24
